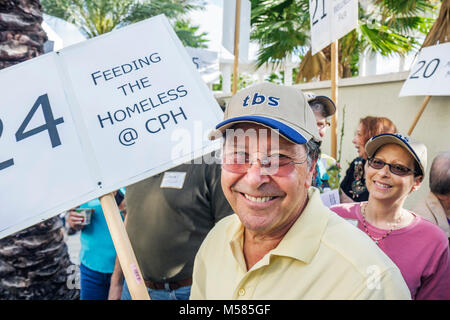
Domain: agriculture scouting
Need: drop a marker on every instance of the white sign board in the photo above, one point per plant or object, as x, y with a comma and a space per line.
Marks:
430, 76
331, 20
97, 116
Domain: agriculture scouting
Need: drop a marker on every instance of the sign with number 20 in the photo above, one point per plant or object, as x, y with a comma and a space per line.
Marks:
431, 73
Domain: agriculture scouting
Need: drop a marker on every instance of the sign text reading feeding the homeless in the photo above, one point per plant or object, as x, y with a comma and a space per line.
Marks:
148, 93
95, 117
141, 106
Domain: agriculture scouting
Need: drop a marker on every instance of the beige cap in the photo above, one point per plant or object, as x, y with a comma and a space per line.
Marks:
277, 107
417, 149
330, 107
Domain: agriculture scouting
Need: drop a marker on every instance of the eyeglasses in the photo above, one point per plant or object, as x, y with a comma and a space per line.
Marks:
322, 125
396, 169
274, 165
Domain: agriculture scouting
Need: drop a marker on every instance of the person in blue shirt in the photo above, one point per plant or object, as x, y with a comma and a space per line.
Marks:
97, 254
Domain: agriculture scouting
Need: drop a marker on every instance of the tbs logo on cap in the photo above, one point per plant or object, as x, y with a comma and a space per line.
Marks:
260, 99
283, 109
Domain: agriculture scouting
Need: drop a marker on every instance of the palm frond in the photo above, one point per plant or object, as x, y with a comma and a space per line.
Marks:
382, 40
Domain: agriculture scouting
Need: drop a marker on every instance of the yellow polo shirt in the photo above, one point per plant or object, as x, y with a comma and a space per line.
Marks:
322, 256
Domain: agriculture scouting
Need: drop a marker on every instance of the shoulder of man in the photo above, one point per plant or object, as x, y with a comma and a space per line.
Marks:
223, 230
428, 208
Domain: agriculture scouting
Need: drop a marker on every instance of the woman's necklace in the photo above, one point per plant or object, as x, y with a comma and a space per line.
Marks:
363, 211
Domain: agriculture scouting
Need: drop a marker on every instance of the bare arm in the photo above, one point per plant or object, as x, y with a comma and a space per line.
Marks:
345, 198
116, 284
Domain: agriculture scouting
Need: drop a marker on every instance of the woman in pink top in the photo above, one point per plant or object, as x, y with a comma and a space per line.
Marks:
395, 168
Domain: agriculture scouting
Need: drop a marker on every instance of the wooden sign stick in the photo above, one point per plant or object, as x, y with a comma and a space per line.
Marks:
237, 24
419, 114
334, 95
124, 251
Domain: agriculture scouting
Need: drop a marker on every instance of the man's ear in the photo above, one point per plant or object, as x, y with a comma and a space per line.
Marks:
310, 174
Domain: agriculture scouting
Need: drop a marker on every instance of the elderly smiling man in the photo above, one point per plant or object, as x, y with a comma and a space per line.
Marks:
283, 243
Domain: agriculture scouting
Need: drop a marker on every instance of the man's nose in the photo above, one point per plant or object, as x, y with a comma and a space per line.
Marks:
255, 174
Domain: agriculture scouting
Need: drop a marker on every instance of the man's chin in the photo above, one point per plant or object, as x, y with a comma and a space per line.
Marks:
255, 222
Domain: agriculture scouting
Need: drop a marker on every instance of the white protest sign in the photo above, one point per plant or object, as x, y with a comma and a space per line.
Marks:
430, 76
41, 161
97, 116
202, 58
331, 20
148, 94
206, 62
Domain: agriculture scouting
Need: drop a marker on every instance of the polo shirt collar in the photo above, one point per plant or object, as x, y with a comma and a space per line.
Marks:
303, 240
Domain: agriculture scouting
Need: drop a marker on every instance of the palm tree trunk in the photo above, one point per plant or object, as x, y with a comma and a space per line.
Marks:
34, 263
21, 34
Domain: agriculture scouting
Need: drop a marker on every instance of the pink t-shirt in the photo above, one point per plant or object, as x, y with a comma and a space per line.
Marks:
420, 250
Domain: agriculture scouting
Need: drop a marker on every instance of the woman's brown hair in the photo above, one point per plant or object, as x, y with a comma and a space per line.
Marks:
371, 126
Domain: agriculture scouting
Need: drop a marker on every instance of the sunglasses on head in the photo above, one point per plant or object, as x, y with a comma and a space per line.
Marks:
396, 169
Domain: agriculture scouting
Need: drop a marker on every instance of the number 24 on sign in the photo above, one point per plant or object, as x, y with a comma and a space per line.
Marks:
50, 126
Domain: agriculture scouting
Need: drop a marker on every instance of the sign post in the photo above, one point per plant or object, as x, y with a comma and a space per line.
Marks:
334, 95
237, 25
125, 252
236, 34
330, 21
419, 114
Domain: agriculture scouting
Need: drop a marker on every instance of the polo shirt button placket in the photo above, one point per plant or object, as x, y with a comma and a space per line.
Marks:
241, 292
